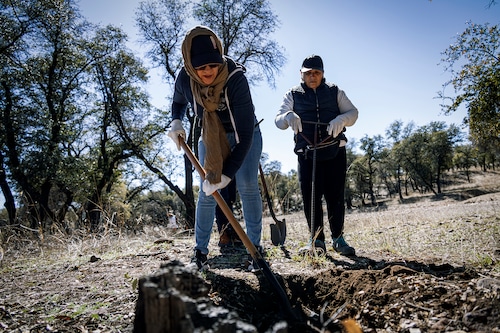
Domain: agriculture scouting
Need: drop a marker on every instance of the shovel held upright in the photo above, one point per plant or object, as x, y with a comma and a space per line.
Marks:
278, 230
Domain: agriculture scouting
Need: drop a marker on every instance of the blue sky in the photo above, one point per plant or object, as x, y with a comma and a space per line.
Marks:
383, 53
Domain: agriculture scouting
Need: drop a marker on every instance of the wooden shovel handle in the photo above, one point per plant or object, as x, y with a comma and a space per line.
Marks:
222, 204
256, 255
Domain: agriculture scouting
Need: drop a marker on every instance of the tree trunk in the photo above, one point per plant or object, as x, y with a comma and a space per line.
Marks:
44, 212
175, 299
438, 180
189, 194
10, 204
93, 211
399, 181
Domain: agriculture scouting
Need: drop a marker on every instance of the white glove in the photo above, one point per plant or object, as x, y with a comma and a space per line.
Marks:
176, 129
210, 188
294, 121
335, 127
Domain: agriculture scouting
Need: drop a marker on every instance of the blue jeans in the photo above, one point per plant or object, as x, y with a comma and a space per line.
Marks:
248, 188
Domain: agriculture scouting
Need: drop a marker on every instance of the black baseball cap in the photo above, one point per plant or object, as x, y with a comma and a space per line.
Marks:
312, 62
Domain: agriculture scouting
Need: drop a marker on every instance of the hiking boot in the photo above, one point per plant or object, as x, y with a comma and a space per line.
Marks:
341, 246
319, 247
200, 259
225, 239
319, 244
261, 250
253, 266
236, 239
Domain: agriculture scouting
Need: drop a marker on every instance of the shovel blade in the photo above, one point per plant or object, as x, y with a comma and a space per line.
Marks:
278, 233
275, 234
282, 228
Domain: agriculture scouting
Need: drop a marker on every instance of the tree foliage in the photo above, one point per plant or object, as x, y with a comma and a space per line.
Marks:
162, 27
245, 27
42, 72
474, 62
407, 157
74, 112
373, 148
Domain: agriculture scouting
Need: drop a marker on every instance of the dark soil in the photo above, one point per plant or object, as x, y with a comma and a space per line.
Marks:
379, 294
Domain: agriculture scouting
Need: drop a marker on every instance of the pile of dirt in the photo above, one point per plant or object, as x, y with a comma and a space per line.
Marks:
395, 296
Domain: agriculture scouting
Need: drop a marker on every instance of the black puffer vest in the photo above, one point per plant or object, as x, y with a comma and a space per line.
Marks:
318, 106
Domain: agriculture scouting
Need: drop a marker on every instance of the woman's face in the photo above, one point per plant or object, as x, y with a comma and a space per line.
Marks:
312, 78
208, 73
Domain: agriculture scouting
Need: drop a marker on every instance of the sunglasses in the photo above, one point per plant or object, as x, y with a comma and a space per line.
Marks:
205, 67
313, 73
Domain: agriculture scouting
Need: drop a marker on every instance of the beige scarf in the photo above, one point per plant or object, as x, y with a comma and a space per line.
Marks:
213, 133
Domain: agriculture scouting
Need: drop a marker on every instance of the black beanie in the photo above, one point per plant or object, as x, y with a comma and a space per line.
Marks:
204, 51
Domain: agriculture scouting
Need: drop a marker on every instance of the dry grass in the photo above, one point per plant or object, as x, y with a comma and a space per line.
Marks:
452, 232
456, 228
446, 230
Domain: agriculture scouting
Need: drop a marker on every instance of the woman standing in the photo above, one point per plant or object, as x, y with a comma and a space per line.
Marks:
318, 112
231, 143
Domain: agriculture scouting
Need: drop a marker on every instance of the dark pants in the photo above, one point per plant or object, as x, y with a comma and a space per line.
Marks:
330, 184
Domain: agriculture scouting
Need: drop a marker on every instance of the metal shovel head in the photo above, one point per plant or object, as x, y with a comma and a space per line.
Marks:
278, 233
282, 228
275, 234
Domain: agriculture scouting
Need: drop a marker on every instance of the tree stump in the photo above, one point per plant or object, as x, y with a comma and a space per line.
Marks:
175, 299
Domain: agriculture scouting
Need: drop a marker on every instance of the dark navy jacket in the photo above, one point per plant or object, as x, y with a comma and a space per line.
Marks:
318, 106
236, 111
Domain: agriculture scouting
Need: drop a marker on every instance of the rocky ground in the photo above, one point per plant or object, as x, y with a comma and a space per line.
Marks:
428, 265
